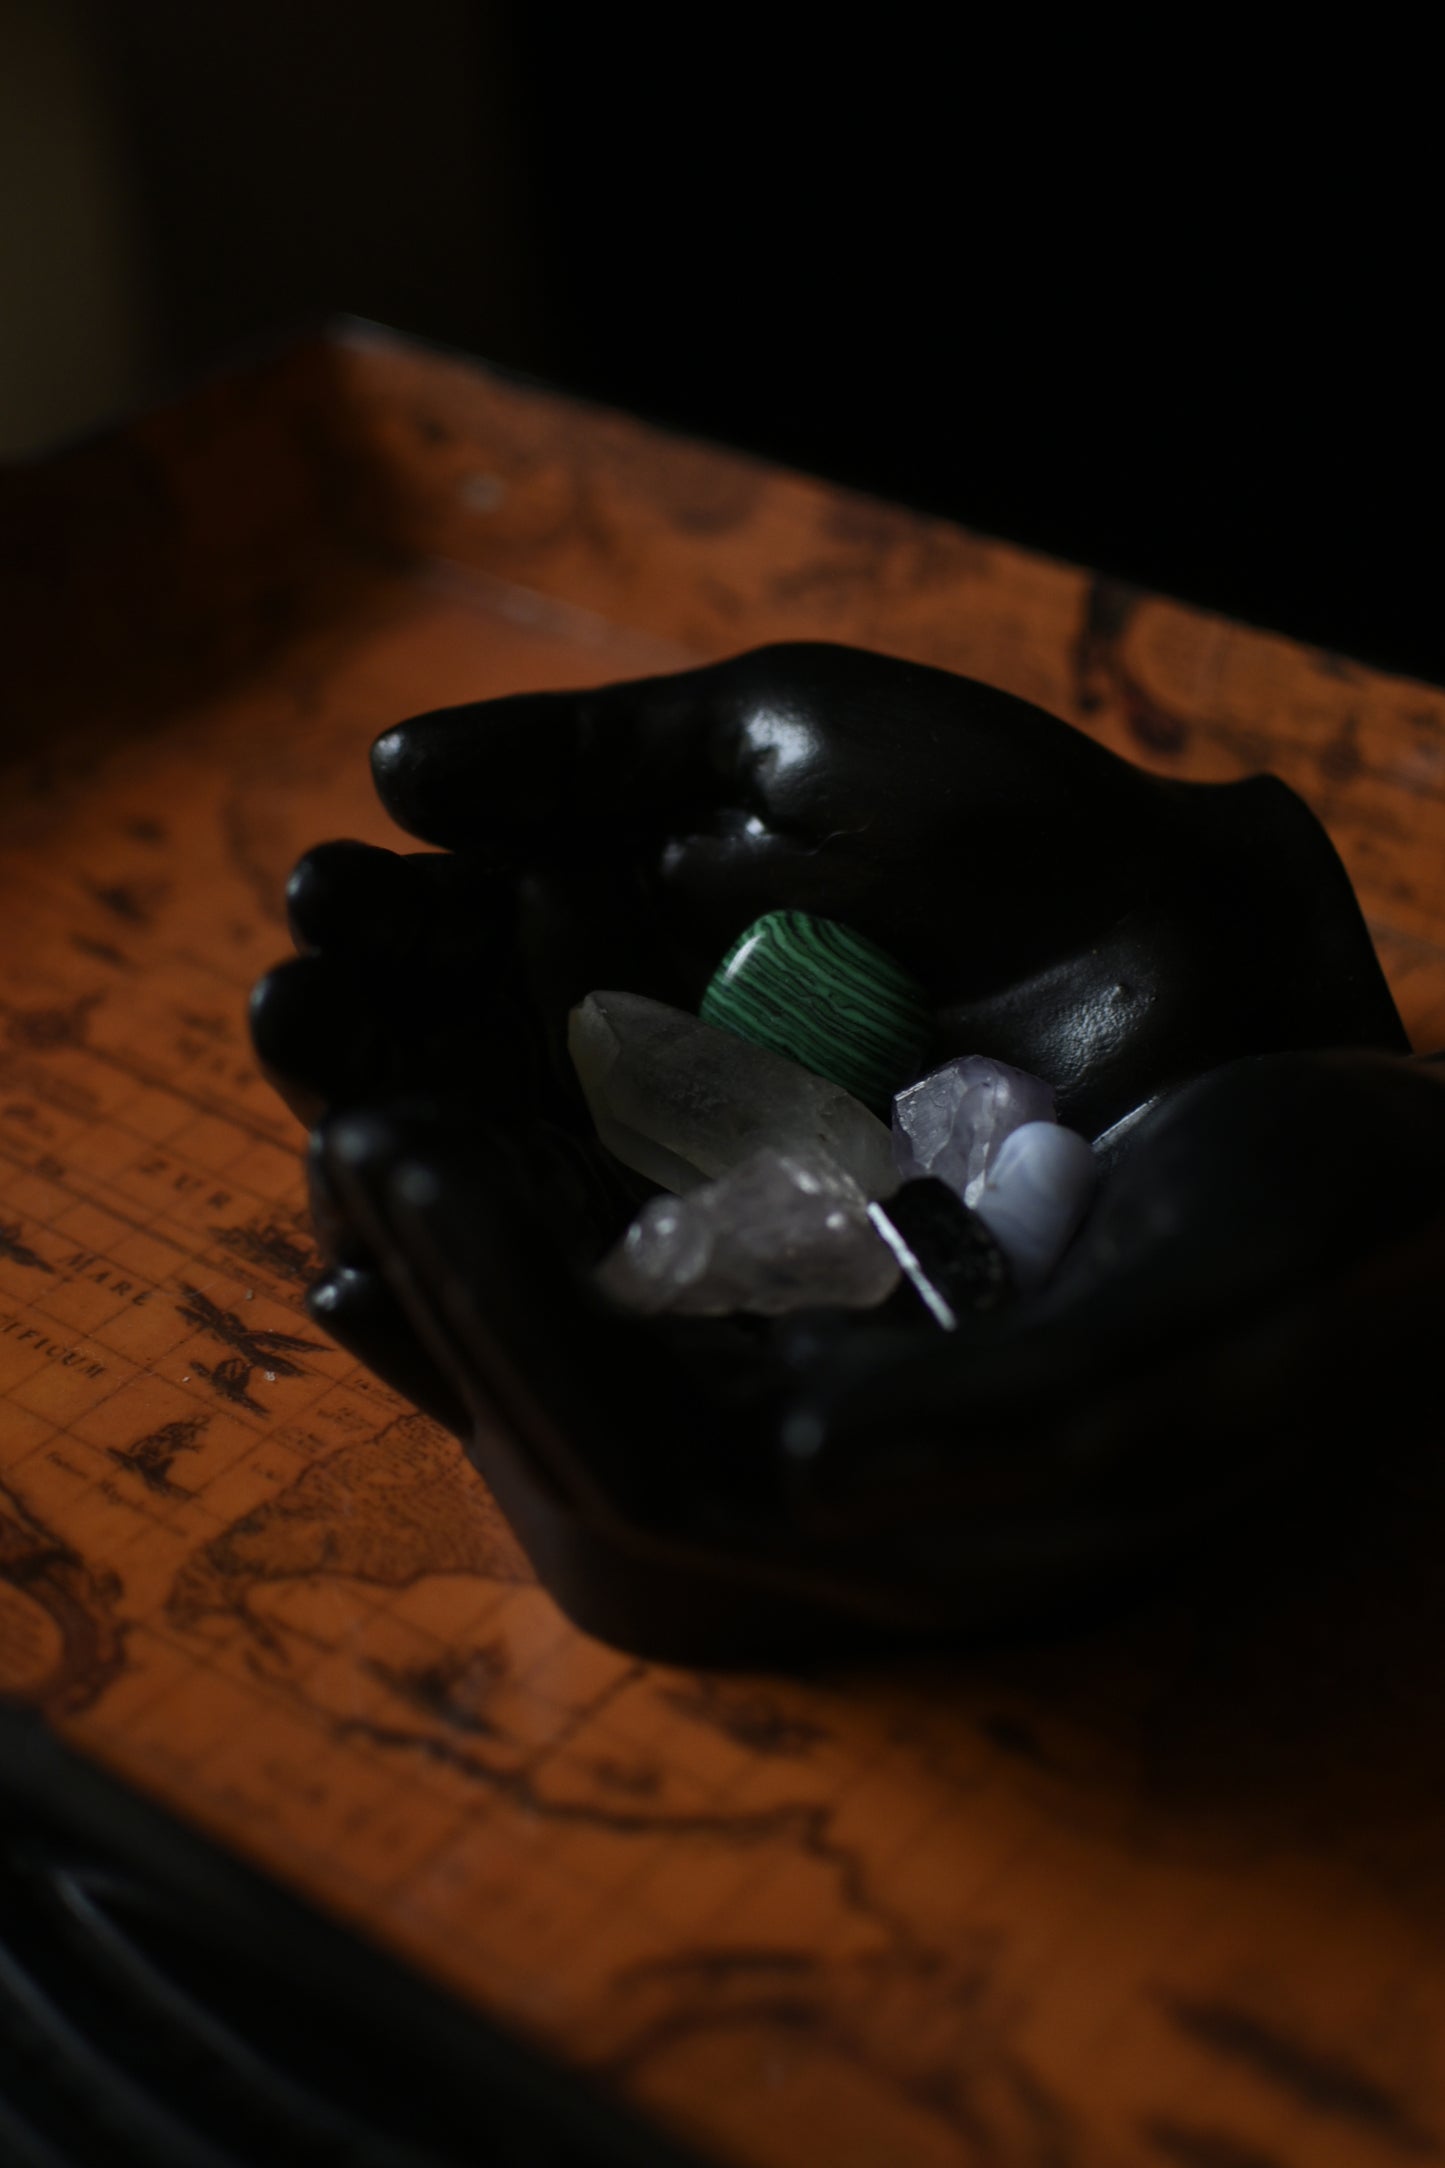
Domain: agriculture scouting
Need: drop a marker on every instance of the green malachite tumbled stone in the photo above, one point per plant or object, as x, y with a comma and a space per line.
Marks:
821, 994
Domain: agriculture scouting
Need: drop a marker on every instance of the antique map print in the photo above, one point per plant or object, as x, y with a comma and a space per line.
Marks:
1172, 1895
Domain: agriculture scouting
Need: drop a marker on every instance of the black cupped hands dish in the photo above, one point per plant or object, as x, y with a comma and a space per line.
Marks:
1250, 1305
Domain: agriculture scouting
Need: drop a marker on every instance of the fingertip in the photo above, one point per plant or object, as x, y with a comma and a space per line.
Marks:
389, 761
361, 1144
331, 1224
356, 1307
309, 1030
548, 773
327, 1298
429, 772
351, 895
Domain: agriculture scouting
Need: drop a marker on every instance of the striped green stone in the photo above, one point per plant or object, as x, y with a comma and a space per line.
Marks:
827, 998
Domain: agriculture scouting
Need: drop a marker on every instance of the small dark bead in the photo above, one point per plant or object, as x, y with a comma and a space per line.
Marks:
951, 1262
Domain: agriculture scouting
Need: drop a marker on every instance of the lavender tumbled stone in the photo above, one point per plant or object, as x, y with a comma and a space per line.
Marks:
1038, 1189
782, 1231
953, 1121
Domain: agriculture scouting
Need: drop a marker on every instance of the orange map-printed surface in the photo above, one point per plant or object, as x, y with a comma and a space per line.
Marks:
1172, 1894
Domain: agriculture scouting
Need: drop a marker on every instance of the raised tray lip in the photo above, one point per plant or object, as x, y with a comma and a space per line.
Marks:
346, 333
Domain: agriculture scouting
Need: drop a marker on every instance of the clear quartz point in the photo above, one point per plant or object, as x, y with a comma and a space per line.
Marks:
782, 1231
1038, 1189
684, 1103
952, 1122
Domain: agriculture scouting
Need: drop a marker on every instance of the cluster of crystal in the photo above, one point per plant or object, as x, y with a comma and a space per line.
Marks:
824, 996
783, 1231
684, 1103
949, 1256
953, 1121
786, 1189
1038, 1190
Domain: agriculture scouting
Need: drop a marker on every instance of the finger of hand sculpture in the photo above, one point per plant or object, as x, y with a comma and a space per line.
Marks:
952, 1122
783, 1231
684, 1103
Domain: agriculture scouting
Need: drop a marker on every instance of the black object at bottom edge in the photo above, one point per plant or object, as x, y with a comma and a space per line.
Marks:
164, 2006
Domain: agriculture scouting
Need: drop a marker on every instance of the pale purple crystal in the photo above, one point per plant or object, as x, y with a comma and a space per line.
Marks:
782, 1231
1038, 1189
952, 1122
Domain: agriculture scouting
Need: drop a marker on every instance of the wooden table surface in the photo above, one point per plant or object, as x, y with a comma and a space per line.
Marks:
1173, 1894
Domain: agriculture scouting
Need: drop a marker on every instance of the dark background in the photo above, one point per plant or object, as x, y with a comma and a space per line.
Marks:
1152, 302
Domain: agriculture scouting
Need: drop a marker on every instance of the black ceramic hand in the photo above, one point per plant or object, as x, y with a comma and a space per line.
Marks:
1071, 914
1068, 913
